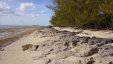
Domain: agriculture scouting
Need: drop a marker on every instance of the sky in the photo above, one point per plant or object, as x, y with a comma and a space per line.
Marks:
25, 12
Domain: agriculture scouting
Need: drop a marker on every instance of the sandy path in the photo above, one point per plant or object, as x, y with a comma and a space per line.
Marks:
13, 53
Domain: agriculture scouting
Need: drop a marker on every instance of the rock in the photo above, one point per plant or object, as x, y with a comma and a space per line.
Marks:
50, 26
91, 61
74, 43
76, 39
1, 49
103, 60
69, 48
93, 41
27, 46
106, 51
47, 61
70, 60
85, 50
104, 41
99, 41
84, 39
30, 47
67, 44
34, 47
92, 51
110, 62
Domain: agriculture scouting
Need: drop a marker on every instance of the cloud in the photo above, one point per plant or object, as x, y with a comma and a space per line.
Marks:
4, 6
23, 13
35, 10
5, 9
26, 6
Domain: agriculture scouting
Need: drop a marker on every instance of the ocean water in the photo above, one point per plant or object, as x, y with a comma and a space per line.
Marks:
6, 26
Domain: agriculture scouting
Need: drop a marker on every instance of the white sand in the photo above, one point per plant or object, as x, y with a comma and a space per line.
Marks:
13, 53
101, 33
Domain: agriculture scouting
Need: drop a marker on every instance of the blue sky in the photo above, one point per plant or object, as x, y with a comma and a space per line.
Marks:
24, 12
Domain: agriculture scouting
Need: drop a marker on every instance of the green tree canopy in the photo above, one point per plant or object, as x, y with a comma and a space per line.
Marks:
96, 14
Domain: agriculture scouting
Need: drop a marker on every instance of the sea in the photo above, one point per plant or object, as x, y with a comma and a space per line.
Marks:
7, 26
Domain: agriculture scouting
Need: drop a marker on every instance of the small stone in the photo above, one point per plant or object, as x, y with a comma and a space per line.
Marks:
93, 51
91, 61
110, 62
1, 49
47, 61
26, 47
34, 47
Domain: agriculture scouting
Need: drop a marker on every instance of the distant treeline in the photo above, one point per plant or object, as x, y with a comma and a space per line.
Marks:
94, 14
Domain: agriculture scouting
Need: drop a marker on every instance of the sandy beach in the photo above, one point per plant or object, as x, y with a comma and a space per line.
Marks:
13, 54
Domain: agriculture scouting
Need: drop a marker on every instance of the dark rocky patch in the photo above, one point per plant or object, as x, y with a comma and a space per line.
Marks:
65, 44
91, 61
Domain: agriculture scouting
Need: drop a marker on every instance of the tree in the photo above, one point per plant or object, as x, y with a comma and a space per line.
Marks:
83, 13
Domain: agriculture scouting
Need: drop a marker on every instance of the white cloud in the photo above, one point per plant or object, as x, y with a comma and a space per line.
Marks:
4, 6
26, 6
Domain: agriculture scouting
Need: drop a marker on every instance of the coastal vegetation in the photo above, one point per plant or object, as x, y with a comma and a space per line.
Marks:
91, 14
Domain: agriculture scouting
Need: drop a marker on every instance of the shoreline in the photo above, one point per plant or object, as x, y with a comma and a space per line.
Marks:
13, 36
